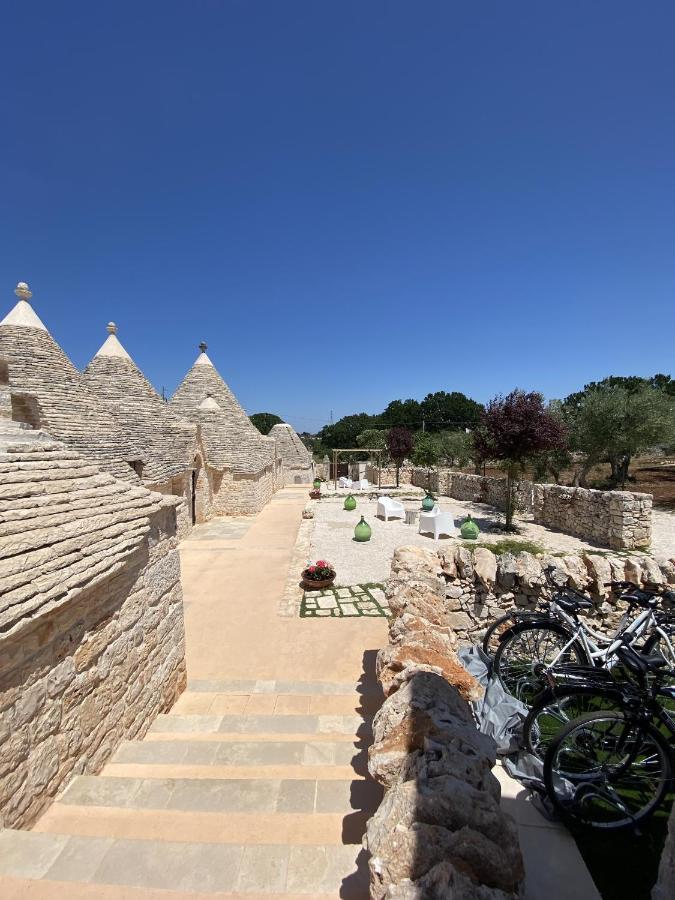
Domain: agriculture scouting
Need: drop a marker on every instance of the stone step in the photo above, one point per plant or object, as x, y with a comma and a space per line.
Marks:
227, 828
262, 724
186, 752
219, 703
261, 686
235, 795
184, 866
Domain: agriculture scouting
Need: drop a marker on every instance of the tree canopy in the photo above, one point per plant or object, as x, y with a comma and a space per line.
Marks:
264, 421
400, 444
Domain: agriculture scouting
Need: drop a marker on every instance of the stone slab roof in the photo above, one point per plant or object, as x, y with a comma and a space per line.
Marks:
169, 442
68, 410
64, 525
289, 447
229, 437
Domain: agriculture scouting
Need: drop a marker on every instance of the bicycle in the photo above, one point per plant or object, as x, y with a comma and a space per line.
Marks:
612, 769
534, 646
572, 691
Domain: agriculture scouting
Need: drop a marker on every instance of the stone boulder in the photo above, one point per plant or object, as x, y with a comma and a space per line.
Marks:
576, 569
427, 652
426, 708
443, 882
423, 822
415, 562
411, 627
485, 567
599, 571
423, 597
528, 570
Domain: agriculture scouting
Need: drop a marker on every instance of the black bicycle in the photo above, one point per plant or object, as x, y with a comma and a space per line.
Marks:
612, 768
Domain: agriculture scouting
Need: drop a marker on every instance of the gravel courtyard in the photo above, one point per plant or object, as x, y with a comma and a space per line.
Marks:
333, 536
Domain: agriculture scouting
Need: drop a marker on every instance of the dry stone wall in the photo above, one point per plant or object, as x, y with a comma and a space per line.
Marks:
440, 830
620, 520
91, 619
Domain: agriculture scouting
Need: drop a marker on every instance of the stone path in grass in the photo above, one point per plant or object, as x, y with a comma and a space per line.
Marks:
337, 603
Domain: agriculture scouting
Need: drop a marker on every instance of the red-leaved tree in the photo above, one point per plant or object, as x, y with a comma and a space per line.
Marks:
512, 430
400, 444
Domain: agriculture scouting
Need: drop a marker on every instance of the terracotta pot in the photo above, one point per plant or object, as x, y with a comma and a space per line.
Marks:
318, 585
315, 495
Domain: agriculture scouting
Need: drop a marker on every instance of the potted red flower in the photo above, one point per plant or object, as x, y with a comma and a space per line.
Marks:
319, 575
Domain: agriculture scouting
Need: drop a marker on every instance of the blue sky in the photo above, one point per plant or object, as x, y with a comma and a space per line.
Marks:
350, 202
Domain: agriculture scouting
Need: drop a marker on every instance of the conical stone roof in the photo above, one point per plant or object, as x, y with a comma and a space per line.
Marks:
289, 447
169, 442
229, 437
68, 410
64, 526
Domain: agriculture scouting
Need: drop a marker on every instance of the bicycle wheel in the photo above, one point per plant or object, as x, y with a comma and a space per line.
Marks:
605, 771
553, 710
496, 630
529, 648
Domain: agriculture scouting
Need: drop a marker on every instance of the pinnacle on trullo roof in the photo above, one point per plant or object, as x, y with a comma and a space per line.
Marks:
23, 313
169, 442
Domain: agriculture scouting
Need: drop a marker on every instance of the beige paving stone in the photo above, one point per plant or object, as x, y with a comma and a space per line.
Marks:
318, 754
193, 704
288, 704
270, 724
260, 704
171, 865
234, 795
297, 796
97, 790
224, 704
79, 859
26, 855
263, 868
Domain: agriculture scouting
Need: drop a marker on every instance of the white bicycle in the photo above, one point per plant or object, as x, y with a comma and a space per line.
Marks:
535, 645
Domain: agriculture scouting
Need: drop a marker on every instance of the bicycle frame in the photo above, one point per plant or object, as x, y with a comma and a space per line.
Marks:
585, 636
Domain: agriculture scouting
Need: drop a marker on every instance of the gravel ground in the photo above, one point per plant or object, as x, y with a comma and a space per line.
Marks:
333, 536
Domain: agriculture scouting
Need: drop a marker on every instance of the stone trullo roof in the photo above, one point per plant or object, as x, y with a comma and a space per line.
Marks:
169, 442
290, 448
40, 371
64, 525
230, 439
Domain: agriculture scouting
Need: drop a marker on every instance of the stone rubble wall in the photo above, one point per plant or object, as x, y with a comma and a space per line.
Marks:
440, 830
482, 586
94, 667
620, 520
405, 475
236, 494
179, 486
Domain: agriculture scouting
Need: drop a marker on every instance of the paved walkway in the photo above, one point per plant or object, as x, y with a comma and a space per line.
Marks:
255, 784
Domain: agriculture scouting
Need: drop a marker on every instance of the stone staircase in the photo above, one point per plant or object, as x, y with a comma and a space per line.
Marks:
243, 789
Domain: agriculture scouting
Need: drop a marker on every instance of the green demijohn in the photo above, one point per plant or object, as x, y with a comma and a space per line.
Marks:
350, 502
362, 531
317, 483
469, 529
428, 503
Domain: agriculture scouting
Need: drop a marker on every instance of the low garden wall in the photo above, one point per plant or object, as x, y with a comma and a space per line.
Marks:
620, 520
440, 830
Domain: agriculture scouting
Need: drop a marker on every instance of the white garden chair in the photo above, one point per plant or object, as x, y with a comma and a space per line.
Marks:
361, 484
437, 522
345, 482
390, 509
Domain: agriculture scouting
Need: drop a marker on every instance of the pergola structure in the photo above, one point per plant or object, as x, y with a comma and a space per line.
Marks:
336, 454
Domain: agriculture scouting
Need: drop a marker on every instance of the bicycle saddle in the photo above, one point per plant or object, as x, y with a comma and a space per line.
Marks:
639, 662
573, 604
